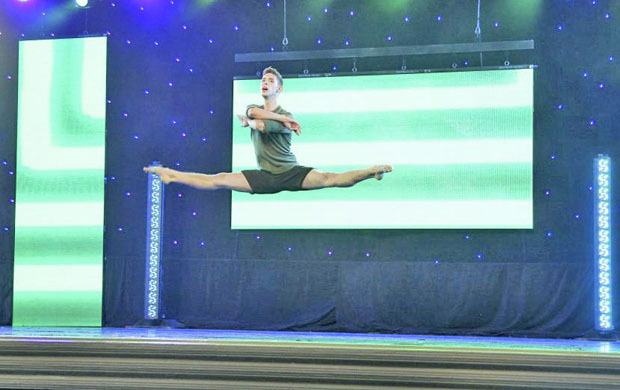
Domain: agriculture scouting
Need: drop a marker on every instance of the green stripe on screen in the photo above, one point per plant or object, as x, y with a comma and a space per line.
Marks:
399, 81
85, 185
423, 152
409, 182
58, 277
79, 308
56, 245
317, 225
515, 122
71, 126
352, 214
57, 214
376, 97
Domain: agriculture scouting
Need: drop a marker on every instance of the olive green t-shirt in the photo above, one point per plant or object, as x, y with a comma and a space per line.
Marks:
273, 147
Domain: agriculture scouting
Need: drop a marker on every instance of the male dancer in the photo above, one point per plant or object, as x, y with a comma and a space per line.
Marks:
271, 128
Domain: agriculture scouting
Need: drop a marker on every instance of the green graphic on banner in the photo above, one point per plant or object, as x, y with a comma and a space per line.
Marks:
60, 182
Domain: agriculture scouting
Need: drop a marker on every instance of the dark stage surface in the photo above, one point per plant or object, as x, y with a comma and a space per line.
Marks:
159, 358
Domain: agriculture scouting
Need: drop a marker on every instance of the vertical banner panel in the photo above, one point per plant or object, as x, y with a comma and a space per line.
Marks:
58, 277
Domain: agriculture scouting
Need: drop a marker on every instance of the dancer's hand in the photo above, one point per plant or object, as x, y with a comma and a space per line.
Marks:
244, 120
167, 175
293, 125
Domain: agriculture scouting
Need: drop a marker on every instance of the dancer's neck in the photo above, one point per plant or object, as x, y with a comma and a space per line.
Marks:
271, 103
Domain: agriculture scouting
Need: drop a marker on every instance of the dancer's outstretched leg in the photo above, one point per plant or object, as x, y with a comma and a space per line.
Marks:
231, 181
315, 179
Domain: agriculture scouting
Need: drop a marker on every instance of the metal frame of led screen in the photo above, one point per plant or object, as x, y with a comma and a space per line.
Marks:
58, 277
460, 142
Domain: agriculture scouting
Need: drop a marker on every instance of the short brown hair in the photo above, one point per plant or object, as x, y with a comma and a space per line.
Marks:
274, 72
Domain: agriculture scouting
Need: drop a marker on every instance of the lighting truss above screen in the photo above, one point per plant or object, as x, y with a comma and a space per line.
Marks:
460, 143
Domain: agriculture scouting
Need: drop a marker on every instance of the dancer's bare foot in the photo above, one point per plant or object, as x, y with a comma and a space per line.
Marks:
166, 174
380, 170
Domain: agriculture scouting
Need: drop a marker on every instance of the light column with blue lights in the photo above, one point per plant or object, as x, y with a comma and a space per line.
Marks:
154, 230
602, 243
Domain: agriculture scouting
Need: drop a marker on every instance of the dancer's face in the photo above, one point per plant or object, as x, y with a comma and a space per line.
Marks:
270, 86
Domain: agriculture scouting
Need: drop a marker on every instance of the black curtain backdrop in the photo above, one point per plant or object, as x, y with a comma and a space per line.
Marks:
536, 282
519, 299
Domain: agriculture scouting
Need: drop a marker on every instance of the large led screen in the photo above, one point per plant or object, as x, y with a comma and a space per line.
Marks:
60, 182
460, 144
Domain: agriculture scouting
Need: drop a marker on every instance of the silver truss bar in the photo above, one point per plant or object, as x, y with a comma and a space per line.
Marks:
473, 47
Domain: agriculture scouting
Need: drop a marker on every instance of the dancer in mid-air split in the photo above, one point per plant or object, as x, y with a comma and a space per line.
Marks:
271, 129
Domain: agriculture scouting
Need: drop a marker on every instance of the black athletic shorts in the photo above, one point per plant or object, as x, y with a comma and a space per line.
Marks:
265, 182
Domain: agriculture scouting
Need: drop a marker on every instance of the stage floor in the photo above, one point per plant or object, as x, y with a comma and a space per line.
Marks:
156, 358
202, 336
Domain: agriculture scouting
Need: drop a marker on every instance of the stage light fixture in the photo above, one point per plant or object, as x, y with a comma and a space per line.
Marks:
81, 3
603, 243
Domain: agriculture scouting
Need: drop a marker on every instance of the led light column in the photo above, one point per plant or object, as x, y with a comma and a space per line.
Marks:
154, 228
603, 243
